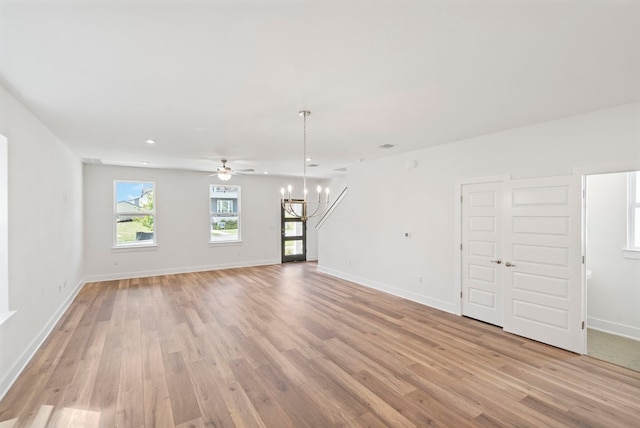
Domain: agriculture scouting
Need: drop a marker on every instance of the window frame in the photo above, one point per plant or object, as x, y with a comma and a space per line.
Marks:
633, 207
135, 244
5, 312
237, 213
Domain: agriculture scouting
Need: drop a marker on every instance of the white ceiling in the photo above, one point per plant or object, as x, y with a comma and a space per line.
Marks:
226, 78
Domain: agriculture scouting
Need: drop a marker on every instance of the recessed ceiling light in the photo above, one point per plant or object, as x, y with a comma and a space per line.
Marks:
144, 163
150, 141
266, 172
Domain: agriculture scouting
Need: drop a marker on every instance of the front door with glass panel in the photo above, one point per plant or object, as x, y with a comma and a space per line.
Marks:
294, 235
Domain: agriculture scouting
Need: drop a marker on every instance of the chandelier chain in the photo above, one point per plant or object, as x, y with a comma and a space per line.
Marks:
304, 114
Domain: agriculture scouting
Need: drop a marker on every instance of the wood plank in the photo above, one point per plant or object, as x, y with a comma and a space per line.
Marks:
130, 404
264, 399
181, 393
207, 384
104, 395
157, 404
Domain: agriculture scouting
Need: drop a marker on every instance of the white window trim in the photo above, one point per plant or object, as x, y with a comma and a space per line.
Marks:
5, 313
632, 251
236, 213
134, 245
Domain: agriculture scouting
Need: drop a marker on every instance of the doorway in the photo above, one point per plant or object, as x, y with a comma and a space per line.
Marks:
294, 234
521, 257
613, 267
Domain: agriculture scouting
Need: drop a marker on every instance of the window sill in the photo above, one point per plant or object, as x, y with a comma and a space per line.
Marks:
225, 243
147, 247
629, 253
5, 316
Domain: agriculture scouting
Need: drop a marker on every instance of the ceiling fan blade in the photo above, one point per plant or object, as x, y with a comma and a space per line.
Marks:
244, 170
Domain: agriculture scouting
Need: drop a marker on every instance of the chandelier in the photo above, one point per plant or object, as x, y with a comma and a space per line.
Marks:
305, 209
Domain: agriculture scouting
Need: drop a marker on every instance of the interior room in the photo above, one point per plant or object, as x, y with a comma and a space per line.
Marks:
318, 213
612, 272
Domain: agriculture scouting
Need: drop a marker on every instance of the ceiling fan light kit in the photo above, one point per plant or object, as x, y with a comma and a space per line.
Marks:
309, 208
225, 172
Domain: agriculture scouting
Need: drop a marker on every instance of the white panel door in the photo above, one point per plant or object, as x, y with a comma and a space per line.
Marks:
481, 249
543, 261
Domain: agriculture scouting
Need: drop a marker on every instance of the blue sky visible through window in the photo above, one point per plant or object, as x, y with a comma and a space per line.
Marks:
126, 191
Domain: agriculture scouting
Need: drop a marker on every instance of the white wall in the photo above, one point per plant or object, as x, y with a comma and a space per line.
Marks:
182, 224
45, 234
613, 302
363, 240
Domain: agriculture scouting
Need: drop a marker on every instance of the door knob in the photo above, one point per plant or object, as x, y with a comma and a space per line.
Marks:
496, 261
508, 264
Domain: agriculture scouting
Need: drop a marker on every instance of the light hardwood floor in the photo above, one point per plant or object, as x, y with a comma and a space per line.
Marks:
286, 346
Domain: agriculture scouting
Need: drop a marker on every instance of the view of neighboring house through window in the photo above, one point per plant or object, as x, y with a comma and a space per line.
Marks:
134, 213
633, 216
224, 203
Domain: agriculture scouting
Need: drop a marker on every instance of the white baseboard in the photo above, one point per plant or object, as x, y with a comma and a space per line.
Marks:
12, 374
173, 271
389, 289
614, 328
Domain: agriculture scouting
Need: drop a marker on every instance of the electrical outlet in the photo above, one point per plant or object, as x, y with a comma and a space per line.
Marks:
64, 284
59, 288
419, 279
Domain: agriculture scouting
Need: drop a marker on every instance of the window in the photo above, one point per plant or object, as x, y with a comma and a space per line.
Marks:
224, 203
134, 213
4, 231
633, 215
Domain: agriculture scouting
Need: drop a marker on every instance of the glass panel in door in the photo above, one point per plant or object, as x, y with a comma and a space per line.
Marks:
294, 230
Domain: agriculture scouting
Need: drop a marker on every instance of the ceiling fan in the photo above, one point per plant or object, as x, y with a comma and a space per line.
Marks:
225, 172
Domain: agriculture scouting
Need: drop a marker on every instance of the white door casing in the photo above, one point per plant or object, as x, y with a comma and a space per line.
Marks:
543, 293
481, 282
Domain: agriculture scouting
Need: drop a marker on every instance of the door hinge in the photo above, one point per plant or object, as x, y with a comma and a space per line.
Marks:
461, 246
461, 294
460, 198
582, 259
583, 325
